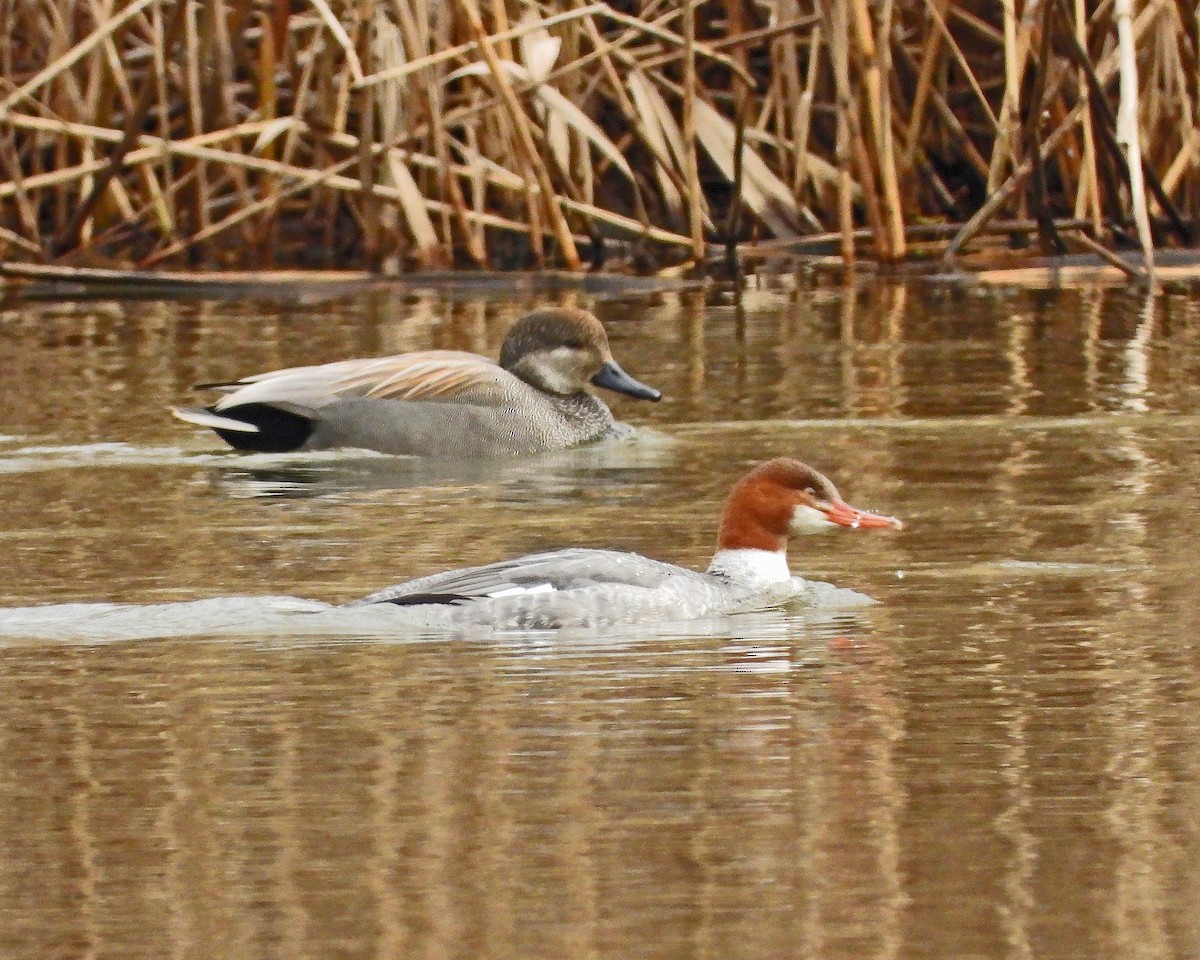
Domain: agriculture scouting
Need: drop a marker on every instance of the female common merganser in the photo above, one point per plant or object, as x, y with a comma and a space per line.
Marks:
581, 587
436, 402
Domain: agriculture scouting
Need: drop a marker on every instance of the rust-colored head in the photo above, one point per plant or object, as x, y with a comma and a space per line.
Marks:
782, 497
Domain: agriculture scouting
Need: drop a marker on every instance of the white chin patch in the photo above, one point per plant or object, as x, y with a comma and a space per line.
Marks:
806, 519
560, 370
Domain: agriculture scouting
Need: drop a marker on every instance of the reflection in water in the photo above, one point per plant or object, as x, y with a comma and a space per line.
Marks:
1137, 382
552, 478
248, 804
998, 760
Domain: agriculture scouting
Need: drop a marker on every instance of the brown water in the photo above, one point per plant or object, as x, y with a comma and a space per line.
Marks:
999, 760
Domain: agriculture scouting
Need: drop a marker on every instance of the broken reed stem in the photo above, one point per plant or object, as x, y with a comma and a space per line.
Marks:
1127, 268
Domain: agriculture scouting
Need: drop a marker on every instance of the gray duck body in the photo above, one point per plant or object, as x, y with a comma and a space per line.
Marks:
530, 422
575, 587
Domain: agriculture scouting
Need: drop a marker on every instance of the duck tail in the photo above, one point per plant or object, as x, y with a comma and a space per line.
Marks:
204, 417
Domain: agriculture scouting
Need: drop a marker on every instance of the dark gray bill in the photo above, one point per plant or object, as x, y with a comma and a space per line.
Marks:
612, 377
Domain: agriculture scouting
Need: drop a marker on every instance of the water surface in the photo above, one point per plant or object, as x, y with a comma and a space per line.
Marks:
998, 760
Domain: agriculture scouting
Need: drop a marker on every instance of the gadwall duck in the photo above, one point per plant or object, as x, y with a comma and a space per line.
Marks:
436, 403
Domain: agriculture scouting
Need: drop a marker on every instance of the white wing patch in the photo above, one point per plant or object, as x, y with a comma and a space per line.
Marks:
523, 591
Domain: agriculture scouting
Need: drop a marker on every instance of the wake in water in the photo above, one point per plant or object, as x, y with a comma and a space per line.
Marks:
280, 618
218, 617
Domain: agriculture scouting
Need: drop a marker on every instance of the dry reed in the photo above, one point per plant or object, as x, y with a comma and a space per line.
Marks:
401, 133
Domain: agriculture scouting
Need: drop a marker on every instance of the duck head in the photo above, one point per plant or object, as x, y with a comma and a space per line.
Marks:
562, 349
784, 497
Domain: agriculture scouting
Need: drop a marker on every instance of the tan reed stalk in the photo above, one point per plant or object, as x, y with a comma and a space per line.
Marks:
980, 26
19, 185
524, 138
1087, 197
16, 240
365, 97
870, 189
264, 95
1103, 71
950, 121
964, 64
616, 87
736, 24
691, 166
1129, 127
1130, 270
467, 219
268, 95
452, 53
158, 203
476, 242
164, 205
838, 27
656, 31
930, 61
339, 34
198, 187
791, 28
1173, 97
879, 114
109, 71
627, 224
789, 91
417, 28
1185, 158
858, 154
268, 92
502, 44
1006, 151
62, 64
804, 109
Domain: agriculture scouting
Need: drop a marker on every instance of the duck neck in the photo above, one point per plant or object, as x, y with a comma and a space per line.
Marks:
750, 566
582, 408
752, 542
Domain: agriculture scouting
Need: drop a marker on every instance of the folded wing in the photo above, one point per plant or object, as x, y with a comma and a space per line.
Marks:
557, 570
431, 376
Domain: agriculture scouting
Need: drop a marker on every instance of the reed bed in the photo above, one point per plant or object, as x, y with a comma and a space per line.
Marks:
394, 134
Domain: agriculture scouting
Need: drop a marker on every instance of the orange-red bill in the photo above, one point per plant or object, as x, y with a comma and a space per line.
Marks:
844, 515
